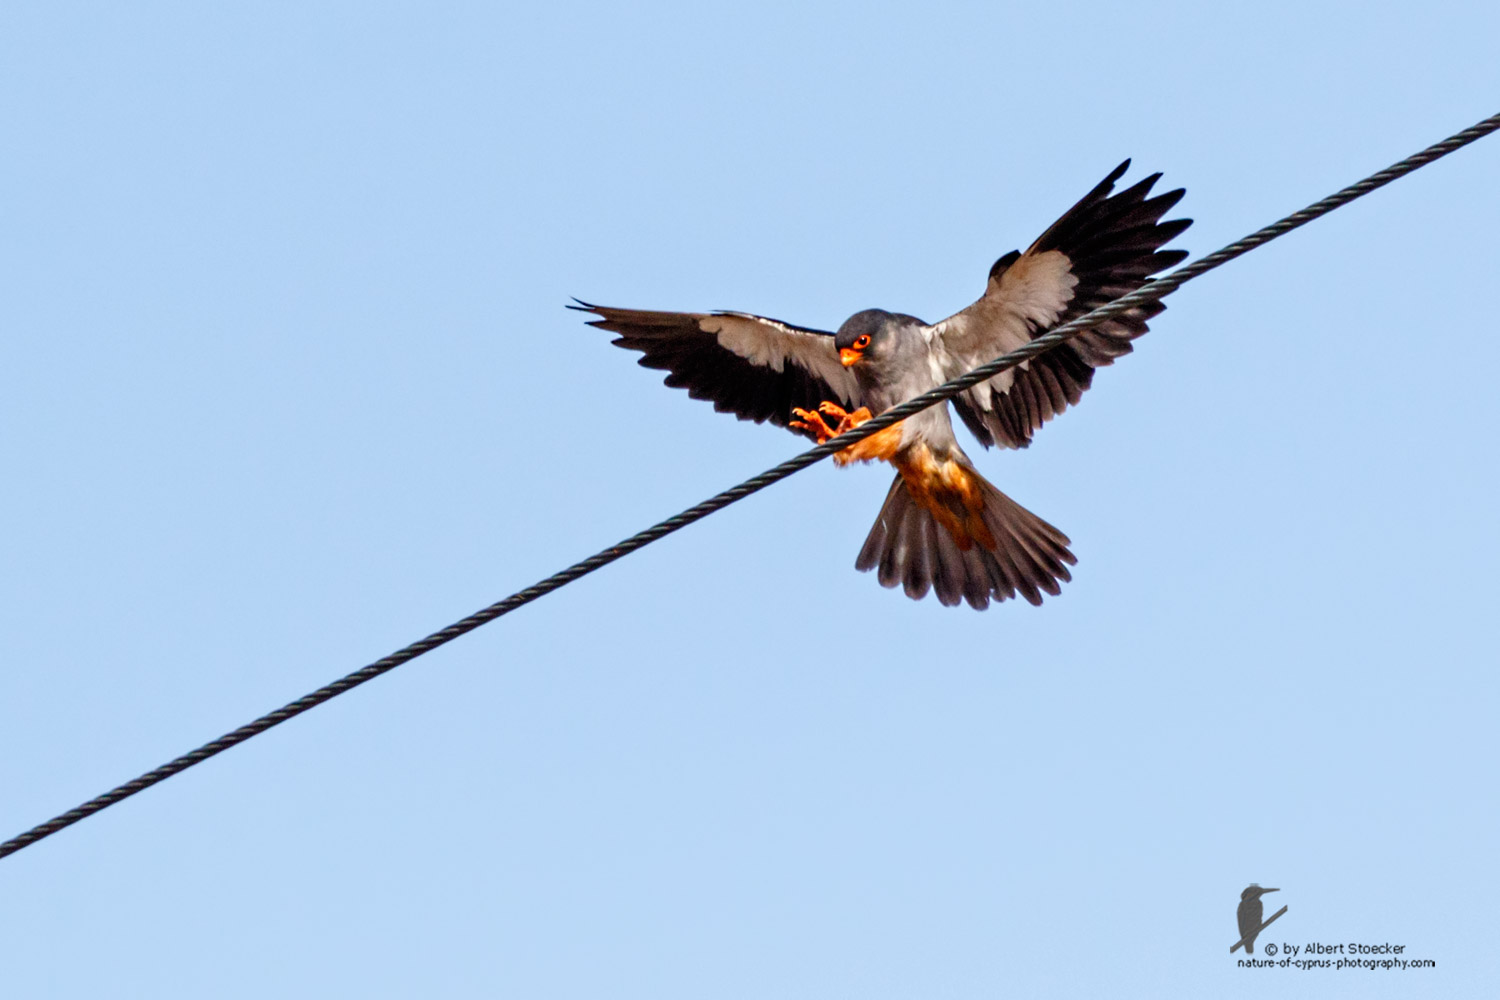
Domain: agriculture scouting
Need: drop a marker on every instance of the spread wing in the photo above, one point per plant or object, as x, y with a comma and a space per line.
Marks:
753, 367
1102, 248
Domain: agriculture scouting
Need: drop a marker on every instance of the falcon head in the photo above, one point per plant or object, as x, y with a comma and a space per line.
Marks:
881, 346
863, 332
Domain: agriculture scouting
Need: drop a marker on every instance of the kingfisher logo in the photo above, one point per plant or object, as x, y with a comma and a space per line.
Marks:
1279, 953
1249, 914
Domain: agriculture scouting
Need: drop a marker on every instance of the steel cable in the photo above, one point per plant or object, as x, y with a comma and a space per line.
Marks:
1147, 293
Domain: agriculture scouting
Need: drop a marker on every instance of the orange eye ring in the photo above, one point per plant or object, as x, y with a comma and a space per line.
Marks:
861, 342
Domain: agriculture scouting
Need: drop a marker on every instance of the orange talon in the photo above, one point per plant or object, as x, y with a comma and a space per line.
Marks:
814, 422
833, 410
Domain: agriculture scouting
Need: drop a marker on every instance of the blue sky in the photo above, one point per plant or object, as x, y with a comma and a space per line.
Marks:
288, 383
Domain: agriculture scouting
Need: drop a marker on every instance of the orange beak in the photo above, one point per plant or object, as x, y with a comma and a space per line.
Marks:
848, 356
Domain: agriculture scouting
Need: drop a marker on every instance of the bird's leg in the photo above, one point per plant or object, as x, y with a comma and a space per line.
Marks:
811, 420
876, 447
847, 421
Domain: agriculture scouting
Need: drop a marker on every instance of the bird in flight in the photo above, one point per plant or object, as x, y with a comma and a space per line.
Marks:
944, 528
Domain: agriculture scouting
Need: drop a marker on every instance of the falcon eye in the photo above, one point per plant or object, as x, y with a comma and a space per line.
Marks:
861, 342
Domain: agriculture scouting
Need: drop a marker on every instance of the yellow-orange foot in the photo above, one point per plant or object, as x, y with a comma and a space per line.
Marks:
814, 421
847, 421
810, 420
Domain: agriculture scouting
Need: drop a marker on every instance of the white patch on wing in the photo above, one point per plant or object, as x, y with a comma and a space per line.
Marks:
770, 344
1037, 288
758, 341
1030, 295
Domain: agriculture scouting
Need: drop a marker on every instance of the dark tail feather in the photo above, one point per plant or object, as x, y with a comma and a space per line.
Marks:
908, 547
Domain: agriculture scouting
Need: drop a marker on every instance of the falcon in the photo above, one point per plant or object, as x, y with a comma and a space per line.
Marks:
944, 528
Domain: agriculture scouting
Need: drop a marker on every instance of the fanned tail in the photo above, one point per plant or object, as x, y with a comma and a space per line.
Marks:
1021, 555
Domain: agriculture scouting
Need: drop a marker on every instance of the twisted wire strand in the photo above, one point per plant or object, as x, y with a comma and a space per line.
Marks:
1149, 292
